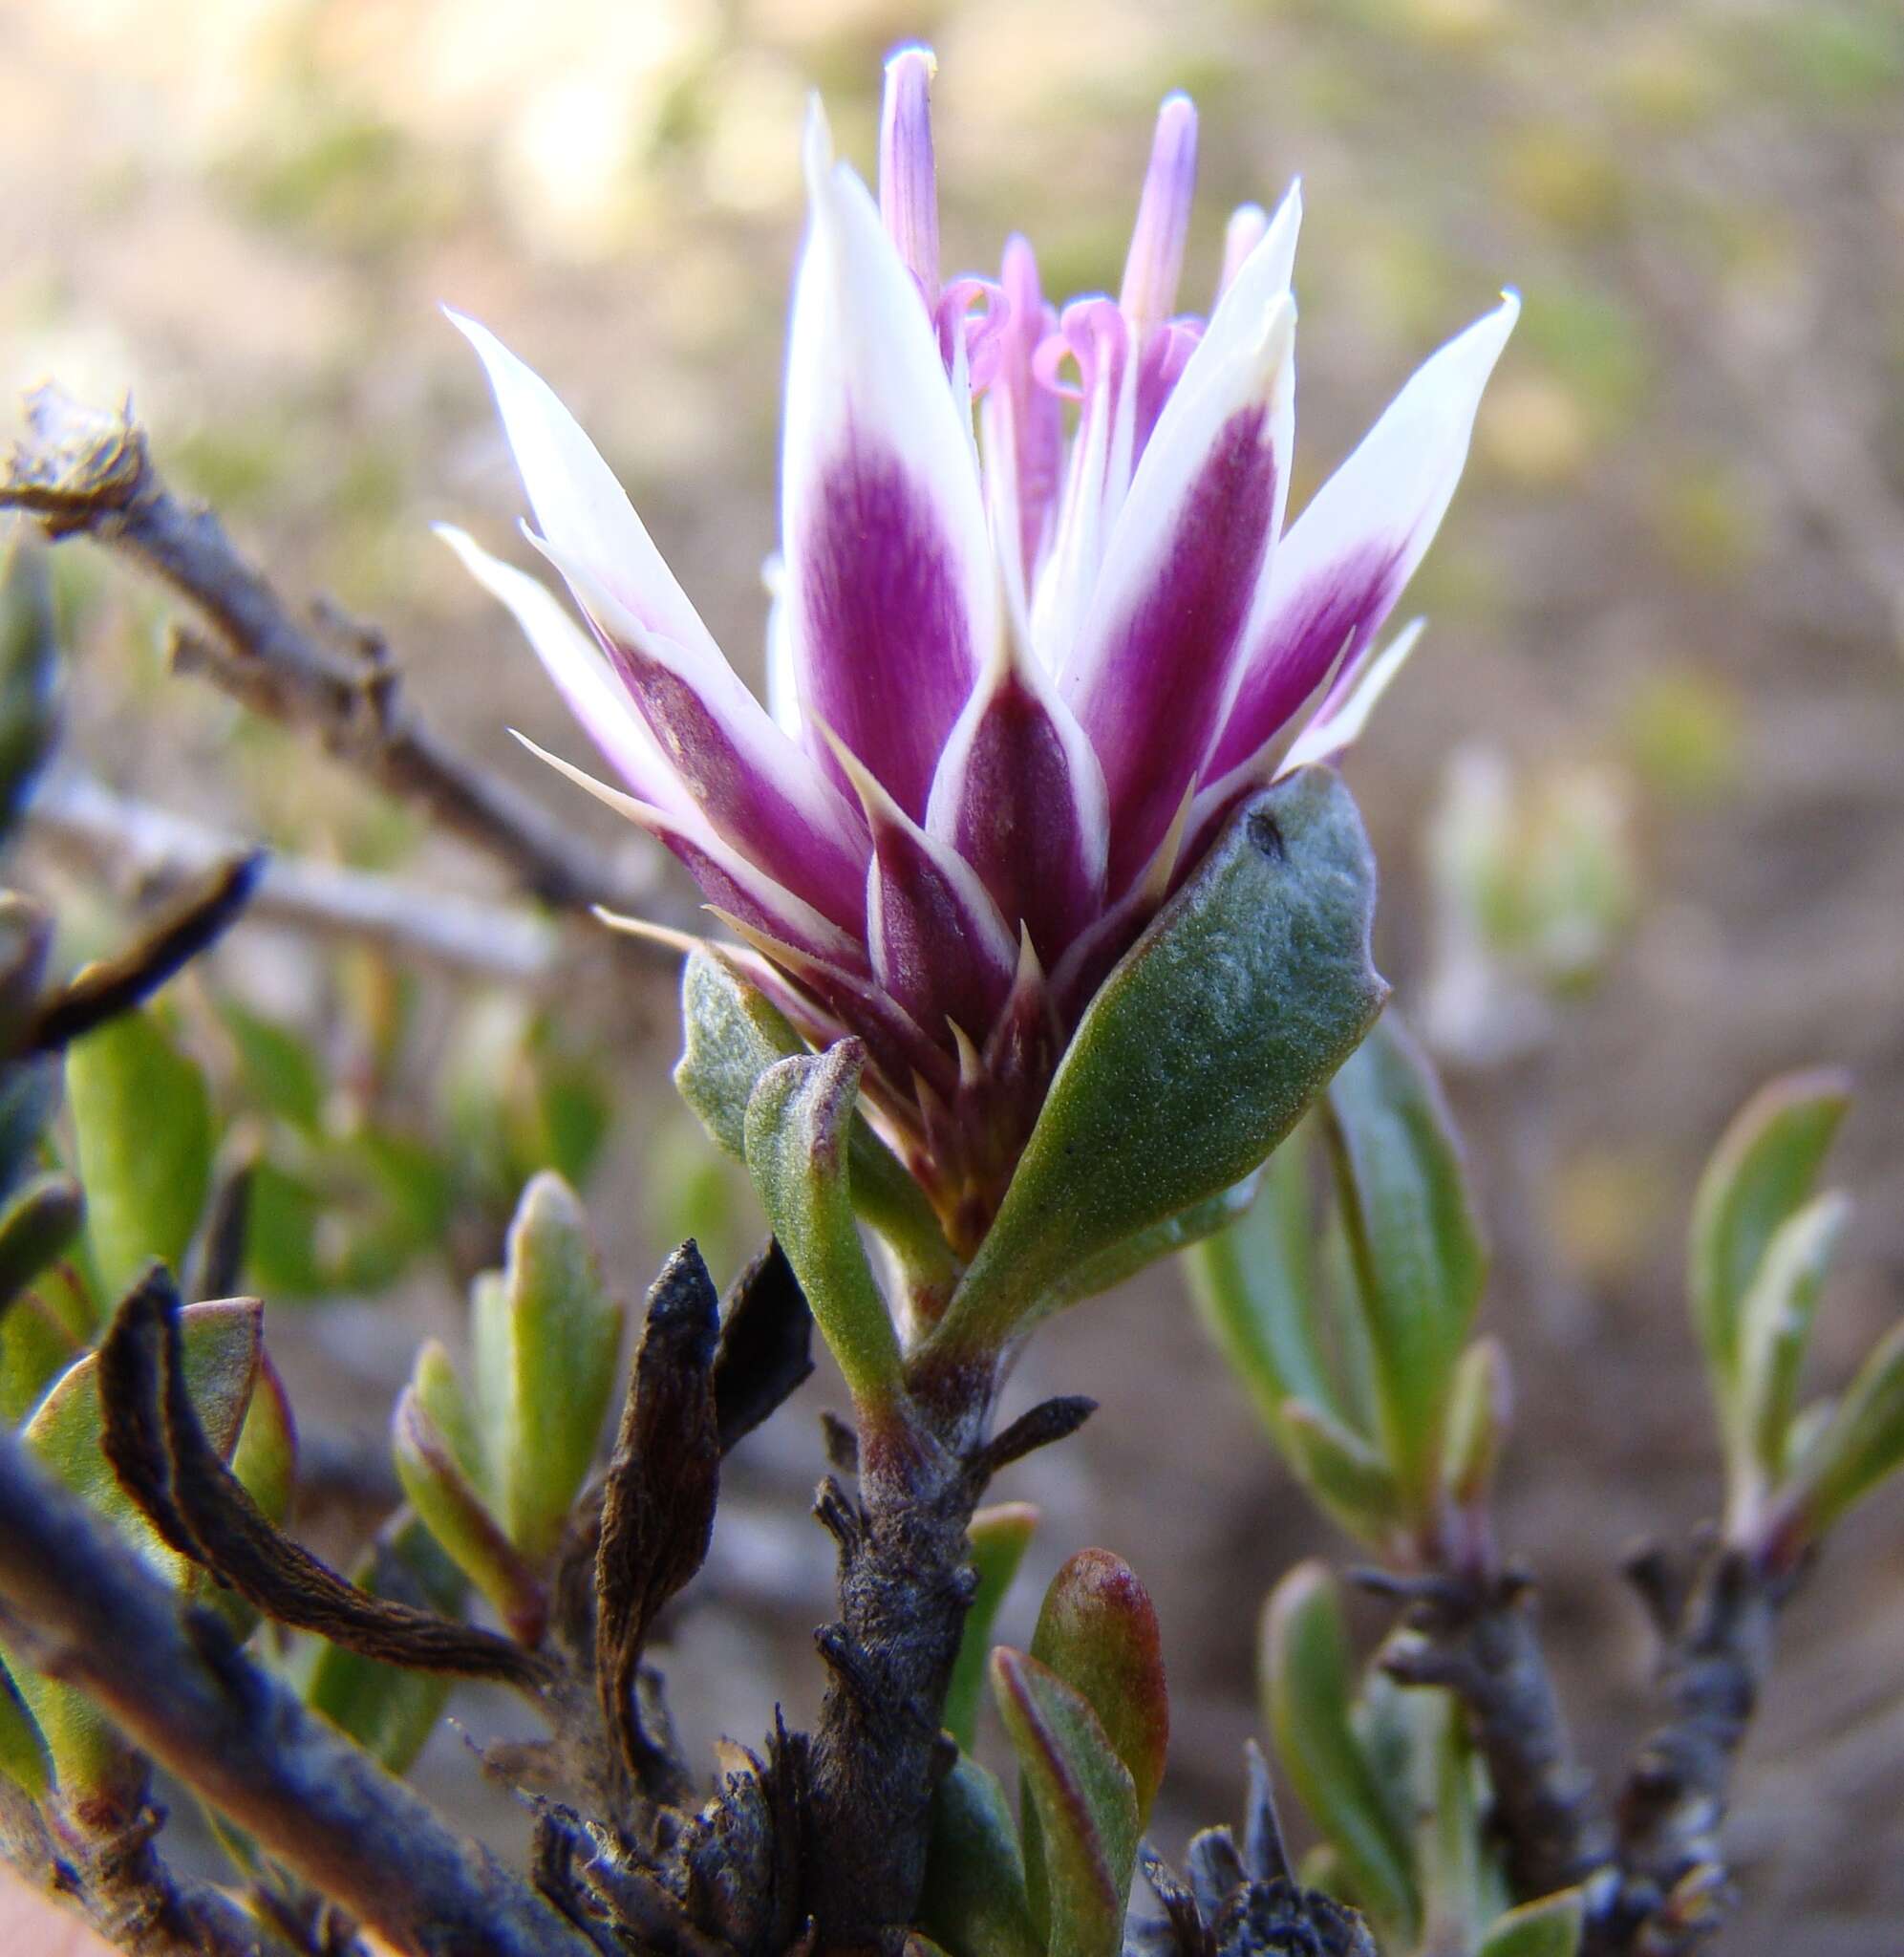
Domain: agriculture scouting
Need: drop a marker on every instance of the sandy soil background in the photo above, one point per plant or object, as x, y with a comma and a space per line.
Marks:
1678, 561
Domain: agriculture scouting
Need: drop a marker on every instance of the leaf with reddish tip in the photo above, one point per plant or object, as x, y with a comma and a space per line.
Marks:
1550, 1928
1084, 1804
455, 1514
1098, 1631
1306, 1697
798, 1123
1198, 1055
1415, 1242
974, 1901
1764, 1168
997, 1538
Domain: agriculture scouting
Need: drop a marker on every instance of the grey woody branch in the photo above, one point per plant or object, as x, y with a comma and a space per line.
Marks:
82, 1607
80, 471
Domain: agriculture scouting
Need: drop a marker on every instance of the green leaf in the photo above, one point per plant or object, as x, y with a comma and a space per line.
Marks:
223, 1346
35, 1227
1098, 1631
798, 1122
1345, 1475
24, 1758
547, 1387
732, 1035
1083, 1802
1259, 1293
265, 1460
390, 1713
1198, 1055
1763, 1170
975, 1901
1862, 1444
997, 1538
1775, 1320
1306, 1692
1110, 1268
1552, 1928
1414, 1241
279, 1071
223, 1349
142, 1118
444, 1498
1477, 1421
35, 1348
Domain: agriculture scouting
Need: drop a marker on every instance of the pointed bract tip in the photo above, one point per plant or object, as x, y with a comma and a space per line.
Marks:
816, 147
683, 941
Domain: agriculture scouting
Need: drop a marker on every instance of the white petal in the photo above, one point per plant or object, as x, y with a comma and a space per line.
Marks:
581, 676
1337, 723
579, 507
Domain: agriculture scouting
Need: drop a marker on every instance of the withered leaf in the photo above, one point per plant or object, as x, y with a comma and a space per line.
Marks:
766, 1345
168, 1466
658, 1504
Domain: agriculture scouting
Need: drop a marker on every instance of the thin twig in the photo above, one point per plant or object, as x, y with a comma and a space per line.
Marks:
82, 1607
80, 471
1675, 1884
154, 849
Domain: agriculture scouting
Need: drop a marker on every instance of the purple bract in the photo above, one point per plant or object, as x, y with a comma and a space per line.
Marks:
1017, 678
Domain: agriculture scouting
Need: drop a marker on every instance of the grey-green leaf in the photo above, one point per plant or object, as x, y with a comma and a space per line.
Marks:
1414, 1240
1198, 1054
733, 1033
1306, 1694
1862, 1444
1258, 1290
975, 1901
1764, 1168
798, 1122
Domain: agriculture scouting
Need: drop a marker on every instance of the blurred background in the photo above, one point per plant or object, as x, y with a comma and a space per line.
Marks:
1638, 801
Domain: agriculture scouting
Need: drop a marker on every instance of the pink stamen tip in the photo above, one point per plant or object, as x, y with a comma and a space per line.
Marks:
1156, 261
908, 186
1248, 225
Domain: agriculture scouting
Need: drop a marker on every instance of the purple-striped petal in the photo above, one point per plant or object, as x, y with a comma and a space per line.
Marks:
1153, 665
579, 669
1339, 572
727, 879
891, 593
1330, 731
937, 942
759, 790
1337, 723
1020, 796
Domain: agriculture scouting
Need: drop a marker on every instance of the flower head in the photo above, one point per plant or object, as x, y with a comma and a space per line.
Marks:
1038, 626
